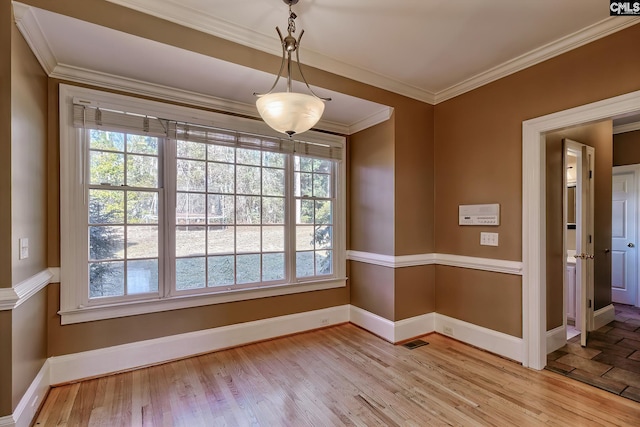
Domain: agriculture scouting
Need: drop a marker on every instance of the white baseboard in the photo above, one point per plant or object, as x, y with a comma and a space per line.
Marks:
392, 331
603, 316
124, 357
556, 338
487, 339
25, 412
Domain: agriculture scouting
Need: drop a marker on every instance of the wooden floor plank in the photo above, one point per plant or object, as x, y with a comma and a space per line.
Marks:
338, 376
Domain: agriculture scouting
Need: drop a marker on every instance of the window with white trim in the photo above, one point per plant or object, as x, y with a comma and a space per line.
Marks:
159, 212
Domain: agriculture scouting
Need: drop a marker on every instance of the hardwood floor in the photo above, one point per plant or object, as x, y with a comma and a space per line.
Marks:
611, 359
338, 376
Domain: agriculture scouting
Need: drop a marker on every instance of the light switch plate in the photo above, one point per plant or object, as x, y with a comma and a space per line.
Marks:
488, 239
23, 244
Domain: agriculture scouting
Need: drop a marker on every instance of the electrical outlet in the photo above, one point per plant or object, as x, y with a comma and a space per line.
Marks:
447, 330
324, 321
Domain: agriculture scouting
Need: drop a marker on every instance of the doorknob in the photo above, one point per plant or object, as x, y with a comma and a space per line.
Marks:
631, 245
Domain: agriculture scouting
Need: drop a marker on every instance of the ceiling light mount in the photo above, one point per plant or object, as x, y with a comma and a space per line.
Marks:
290, 112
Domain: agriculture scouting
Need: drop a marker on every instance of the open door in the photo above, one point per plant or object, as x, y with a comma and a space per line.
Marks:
584, 235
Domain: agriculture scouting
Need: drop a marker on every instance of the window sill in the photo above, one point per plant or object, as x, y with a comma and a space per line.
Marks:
102, 312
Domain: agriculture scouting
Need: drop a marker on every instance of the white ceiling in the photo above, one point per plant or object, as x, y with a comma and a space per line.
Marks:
430, 50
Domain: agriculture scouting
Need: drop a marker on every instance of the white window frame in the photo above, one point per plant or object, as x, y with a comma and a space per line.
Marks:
73, 242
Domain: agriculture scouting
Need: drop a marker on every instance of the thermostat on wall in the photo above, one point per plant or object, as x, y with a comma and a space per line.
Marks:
479, 214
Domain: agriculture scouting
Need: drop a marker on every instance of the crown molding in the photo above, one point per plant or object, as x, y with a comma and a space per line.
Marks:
138, 87
207, 23
30, 28
629, 127
594, 32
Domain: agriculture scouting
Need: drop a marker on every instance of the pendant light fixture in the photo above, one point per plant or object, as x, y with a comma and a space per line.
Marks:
290, 112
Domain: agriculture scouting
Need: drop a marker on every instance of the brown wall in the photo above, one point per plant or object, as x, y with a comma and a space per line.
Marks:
6, 25
372, 288
28, 210
478, 153
371, 189
626, 148
600, 136
490, 300
415, 291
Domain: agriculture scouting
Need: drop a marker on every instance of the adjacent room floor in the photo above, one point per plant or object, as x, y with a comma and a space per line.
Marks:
611, 359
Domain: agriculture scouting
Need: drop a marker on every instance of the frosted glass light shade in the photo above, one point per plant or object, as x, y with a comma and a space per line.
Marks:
290, 112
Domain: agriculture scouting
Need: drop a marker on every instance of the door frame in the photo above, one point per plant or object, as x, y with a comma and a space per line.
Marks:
635, 170
534, 305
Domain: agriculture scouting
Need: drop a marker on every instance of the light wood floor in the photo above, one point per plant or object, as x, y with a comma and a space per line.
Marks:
337, 376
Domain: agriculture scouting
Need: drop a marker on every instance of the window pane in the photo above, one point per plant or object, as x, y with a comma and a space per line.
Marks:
302, 184
142, 276
190, 273
247, 157
247, 210
106, 168
190, 175
304, 211
191, 150
190, 208
303, 164
221, 270
219, 153
142, 207
273, 182
275, 160
190, 240
106, 243
323, 212
101, 140
221, 240
221, 178
304, 264
248, 269
323, 166
304, 237
106, 207
273, 239
248, 239
273, 267
248, 179
321, 185
221, 209
106, 279
142, 144
142, 241
272, 210
323, 262
324, 237
142, 171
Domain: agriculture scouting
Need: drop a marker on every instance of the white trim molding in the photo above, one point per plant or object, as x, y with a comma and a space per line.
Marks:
475, 263
389, 330
629, 127
487, 339
28, 406
603, 316
534, 307
10, 298
556, 338
124, 357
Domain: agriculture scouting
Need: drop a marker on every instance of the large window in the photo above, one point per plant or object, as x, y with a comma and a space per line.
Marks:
161, 213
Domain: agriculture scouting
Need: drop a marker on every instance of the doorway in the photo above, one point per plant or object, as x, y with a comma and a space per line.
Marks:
534, 306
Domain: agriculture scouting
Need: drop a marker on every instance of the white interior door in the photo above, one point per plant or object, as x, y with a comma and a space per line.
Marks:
623, 237
584, 235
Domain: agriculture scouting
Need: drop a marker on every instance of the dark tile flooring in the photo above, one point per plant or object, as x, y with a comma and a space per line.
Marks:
611, 359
